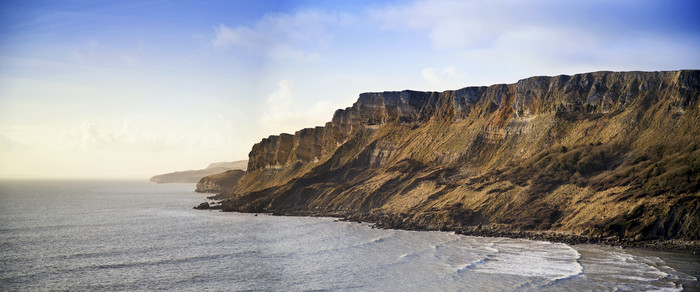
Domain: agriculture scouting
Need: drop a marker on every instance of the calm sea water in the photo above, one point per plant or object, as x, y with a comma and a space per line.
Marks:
110, 235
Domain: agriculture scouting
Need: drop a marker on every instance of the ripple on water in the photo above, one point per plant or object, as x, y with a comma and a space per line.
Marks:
146, 238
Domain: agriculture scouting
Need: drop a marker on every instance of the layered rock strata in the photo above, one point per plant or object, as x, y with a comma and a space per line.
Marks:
598, 155
220, 182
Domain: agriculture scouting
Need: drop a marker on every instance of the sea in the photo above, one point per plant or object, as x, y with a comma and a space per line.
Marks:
141, 236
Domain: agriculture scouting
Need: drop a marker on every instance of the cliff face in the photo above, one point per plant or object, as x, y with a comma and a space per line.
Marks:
220, 182
611, 154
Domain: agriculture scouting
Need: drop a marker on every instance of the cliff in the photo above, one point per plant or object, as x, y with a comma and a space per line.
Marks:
603, 155
193, 176
220, 182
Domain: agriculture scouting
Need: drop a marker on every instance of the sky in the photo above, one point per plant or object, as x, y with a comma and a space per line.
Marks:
130, 89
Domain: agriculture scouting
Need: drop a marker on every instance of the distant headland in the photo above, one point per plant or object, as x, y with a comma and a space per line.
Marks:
193, 176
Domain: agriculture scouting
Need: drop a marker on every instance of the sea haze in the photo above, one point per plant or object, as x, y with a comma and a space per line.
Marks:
125, 235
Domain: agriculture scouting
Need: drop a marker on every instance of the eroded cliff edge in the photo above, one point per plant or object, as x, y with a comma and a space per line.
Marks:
611, 156
220, 182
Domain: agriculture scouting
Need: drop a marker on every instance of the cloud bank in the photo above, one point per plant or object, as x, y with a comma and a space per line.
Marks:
160, 87
283, 115
282, 36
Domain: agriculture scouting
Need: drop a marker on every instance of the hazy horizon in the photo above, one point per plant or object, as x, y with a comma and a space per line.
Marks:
131, 89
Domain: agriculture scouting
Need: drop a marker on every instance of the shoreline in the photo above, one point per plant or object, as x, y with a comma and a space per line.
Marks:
670, 245
386, 221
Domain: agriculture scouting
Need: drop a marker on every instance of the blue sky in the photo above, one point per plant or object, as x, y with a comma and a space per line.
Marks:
134, 88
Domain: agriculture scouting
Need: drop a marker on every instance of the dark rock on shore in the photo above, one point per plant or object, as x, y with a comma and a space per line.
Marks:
203, 206
602, 157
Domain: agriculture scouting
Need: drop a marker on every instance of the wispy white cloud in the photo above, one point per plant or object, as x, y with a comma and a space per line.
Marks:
88, 136
169, 89
239, 36
216, 133
94, 51
7, 144
282, 36
448, 24
442, 78
131, 149
535, 37
282, 115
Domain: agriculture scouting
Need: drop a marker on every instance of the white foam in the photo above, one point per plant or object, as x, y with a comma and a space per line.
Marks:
533, 259
614, 266
473, 265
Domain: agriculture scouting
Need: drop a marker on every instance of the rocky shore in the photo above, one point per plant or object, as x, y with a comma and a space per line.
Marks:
386, 221
601, 157
683, 246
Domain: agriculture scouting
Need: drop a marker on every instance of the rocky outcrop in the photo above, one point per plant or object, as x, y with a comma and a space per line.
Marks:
193, 176
220, 182
595, 155
202, 206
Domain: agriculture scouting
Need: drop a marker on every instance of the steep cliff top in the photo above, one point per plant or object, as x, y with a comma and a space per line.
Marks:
601, 157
